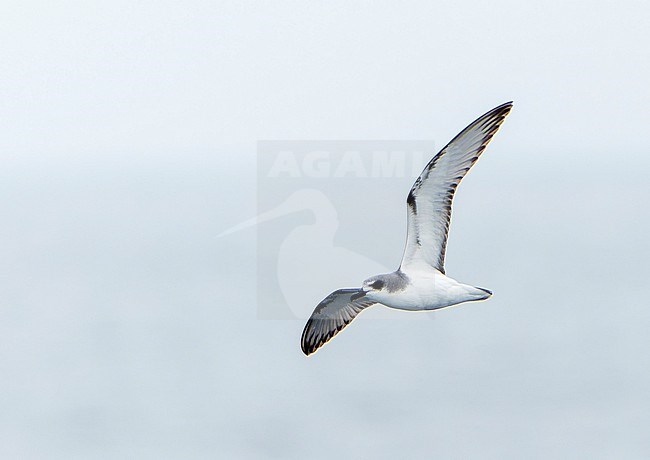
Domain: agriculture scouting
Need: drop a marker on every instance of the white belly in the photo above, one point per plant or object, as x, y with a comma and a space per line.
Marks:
429, 291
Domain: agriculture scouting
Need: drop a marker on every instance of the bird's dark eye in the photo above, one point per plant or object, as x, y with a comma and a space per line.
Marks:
378, 284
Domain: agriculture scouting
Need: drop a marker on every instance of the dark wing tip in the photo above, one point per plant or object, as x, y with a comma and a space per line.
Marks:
307, 346
330, 316
504, 105
307, 349
500, 111
488, 123
319, 331
312, 336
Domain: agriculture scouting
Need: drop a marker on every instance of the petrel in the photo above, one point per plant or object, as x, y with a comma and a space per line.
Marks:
420, 282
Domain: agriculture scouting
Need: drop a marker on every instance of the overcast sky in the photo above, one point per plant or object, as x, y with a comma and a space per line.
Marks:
128, 143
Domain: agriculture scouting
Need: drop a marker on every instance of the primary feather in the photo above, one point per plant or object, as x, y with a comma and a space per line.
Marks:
429, 201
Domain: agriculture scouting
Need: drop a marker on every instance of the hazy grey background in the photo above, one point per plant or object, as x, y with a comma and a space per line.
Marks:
127, 329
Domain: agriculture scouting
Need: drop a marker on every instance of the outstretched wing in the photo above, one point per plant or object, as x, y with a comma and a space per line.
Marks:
429, 201
335, 312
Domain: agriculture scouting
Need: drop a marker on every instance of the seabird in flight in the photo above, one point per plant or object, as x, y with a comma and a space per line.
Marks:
420, 282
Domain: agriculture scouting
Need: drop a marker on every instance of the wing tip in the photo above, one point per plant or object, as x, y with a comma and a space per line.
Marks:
311, 345
502, 109
307, 347
322, 326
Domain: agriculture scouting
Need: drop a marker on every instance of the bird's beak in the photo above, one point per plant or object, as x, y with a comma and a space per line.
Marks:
358, 295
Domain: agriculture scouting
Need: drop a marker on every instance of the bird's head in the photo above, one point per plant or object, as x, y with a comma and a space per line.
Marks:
370, 287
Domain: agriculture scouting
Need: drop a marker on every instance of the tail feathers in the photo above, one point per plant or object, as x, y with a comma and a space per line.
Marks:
487, 291
478, 293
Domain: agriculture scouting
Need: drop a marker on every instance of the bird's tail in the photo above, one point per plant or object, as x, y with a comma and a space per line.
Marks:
478, 293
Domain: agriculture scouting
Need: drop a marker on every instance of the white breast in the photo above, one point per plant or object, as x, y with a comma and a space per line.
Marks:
429, 290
